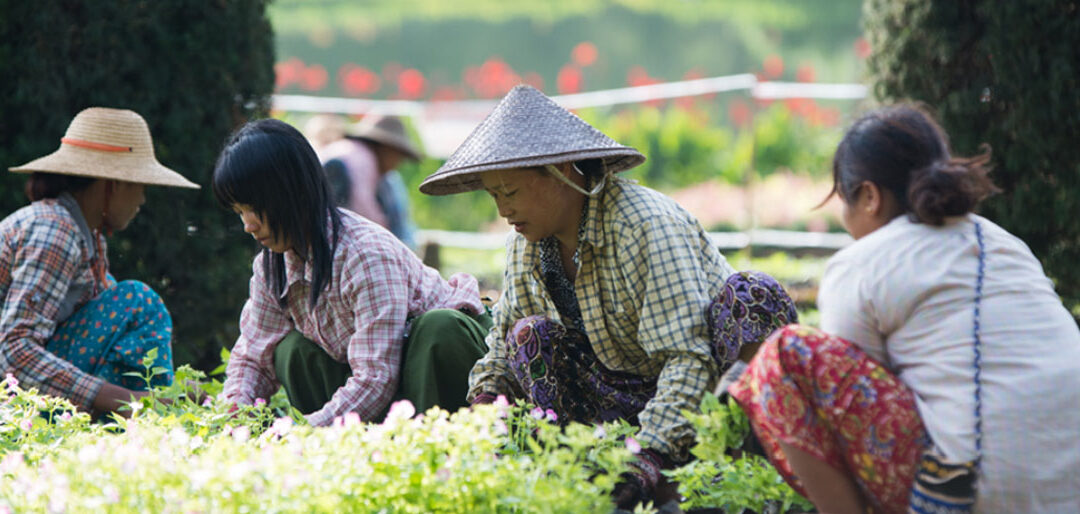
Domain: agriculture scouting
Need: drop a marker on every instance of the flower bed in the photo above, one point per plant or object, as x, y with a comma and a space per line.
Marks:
183, 457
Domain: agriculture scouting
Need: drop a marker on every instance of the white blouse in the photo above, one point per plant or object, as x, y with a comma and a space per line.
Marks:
905, 295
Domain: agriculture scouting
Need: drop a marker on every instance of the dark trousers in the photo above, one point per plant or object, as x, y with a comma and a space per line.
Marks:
442, 346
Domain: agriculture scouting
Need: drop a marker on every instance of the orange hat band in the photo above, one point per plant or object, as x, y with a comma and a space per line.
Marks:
95, 146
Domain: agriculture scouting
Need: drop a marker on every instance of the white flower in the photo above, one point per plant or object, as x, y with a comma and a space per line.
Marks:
401, 409
633, 445
599, 433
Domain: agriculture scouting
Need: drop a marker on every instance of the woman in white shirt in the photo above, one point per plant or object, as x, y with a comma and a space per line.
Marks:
846, 412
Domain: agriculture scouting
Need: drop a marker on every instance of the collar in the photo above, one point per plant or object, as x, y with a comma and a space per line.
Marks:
68, 202
296, 269
591, 230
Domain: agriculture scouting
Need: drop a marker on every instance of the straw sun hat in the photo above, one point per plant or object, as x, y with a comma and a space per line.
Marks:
110, 144
387, 130
526, 129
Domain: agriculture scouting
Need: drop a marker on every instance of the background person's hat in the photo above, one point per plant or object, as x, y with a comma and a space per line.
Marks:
526, 129
112, 144
388, 130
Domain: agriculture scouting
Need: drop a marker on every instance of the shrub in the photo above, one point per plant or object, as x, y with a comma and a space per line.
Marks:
194, 71
1007, 74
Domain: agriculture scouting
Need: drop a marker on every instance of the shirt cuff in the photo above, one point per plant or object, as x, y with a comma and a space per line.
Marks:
84, 391
320, 418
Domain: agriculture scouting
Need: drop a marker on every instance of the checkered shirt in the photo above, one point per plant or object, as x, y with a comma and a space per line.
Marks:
43, 256
377, 283
647, 273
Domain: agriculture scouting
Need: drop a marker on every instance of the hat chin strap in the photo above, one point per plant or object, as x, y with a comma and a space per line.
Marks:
559, 175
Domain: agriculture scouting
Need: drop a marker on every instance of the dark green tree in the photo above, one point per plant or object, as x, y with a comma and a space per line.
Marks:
195, 71
1006, 74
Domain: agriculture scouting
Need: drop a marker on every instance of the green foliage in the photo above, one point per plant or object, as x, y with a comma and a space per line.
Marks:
194, 71
1006, 74
182, 457
716, 480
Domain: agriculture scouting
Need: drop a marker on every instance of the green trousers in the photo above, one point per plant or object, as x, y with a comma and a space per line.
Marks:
442, 346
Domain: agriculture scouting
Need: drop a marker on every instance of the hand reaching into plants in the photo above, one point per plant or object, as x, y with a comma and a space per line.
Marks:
640, 483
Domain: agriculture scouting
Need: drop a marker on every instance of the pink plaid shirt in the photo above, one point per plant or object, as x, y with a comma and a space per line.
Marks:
377, 283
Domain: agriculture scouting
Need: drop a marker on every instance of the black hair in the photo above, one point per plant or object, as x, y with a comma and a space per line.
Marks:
42, 185
269, 166
905, 152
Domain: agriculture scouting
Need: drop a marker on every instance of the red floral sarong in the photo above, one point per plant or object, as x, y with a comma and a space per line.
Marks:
823, 395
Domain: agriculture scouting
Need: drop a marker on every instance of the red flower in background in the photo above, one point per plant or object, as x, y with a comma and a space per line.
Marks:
740, 113
357, 80
806, 73
569, 79
773, 66
584, 54
447, 93
314, 78
862, 48
411, 84
288, 72
491, 79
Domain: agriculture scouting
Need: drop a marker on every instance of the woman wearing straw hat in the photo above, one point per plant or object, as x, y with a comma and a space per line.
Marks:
340, 313
607, 283
67, 327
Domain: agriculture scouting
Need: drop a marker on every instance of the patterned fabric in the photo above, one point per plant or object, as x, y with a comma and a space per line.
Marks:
750, 307
558, 284
826, 397
647, 273
377, 283
109, 336
559, 371
47, 261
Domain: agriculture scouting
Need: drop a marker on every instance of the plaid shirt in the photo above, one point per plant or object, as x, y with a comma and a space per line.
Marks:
647, 273
46, 270
376, 285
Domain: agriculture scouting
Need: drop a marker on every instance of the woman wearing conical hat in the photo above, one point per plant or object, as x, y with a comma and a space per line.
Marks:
603, 314
66, 326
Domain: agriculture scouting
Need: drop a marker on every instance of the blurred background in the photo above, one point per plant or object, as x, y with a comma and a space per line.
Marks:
737, 104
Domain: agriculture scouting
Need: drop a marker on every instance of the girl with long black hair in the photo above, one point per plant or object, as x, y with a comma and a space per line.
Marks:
340, 313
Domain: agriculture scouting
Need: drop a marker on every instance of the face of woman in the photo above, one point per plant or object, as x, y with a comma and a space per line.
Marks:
536, 204
870, 209
255, 225
124, 202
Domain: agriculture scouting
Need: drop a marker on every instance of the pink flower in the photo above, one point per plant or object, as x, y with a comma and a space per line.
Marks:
241, 434
537, 413
501, 401
259, 402
633, 445
401, 409
500, 428
11, 381
351, 419
282, 425
551, 416
65, 417
27, 424
339, 422
599, 433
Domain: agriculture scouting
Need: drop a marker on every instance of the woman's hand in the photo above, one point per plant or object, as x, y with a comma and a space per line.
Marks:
112, 397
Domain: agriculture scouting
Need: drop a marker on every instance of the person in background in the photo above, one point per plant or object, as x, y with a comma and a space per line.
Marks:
340, 313
940, 336
606, 289
67, 327
361, 162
